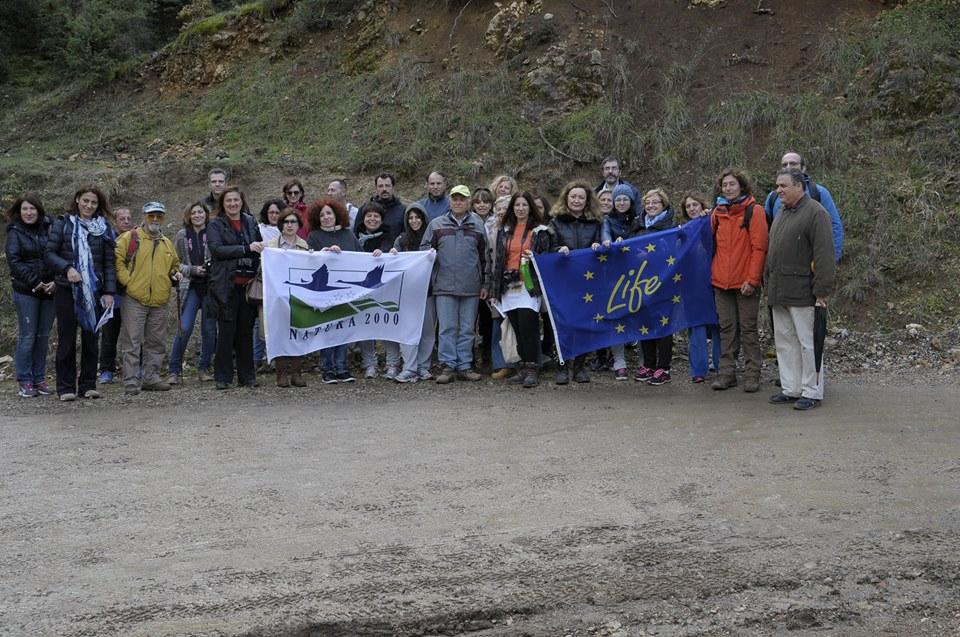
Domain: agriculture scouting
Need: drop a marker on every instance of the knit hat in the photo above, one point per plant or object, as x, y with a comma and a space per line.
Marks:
624, 189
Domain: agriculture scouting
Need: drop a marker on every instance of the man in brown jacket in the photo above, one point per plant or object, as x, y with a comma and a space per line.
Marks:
799, 275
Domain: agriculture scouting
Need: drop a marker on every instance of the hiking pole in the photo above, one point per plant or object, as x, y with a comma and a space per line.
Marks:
179, 309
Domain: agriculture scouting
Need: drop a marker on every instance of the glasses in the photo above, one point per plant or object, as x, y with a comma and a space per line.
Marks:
293, 192
286, 221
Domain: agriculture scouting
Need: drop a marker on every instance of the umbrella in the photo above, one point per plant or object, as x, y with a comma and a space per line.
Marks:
819, 335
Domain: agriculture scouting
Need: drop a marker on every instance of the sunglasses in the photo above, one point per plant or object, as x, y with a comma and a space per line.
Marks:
286, 221
293, 192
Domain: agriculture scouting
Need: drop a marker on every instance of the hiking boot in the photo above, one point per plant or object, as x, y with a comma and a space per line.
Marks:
204, 376
724, 382
751, 385
447, 374
391, 373
563, 376
517, 379
371, 372
621, 374
660, 377
781, 399
69, 397
26, 390
468, 374
532, 377
406, 376
222, 386
643, 374
106, 378
175, 379
345, 377
500, 374
803, 404
131, 390
296, 379
91, 394
329, 378
158, 386
581, 375
42, 388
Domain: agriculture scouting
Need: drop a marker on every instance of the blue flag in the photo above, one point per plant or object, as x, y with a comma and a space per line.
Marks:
640, 289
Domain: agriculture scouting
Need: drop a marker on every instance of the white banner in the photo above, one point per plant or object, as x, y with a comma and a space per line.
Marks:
314, 300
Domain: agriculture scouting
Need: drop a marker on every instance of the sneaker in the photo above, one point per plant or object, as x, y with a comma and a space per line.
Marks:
175, 379
803, 404
697, 380
501, 373
345, 377
447, 374
391, 373
221, 386
92, 394
131, 390
660, 377
204, 376
68, 397
43, 389
157, 386
425, 374
106, 378
563, 376
643, 374
370, 373
329, 378
620, 374
406, 377
26, 390
468, 374
782, 399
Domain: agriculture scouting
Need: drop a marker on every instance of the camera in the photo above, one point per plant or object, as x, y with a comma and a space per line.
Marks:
245, 268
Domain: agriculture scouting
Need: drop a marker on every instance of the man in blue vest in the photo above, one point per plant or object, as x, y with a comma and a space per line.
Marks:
817, 192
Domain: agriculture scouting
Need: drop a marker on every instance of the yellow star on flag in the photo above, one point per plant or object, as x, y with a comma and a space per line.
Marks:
602, 258
587, 298
676, 298
671, 260
625, 249
597, 318
644, 330
664, 321
620, 328
588, 275
651, 247
677, 277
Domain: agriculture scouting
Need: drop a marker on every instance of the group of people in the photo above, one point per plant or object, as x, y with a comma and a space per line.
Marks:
96, 272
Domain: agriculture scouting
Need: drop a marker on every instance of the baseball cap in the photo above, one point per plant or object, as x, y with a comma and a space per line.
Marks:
154, 207
461, 190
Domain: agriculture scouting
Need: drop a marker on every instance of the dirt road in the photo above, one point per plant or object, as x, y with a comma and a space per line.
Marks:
375, 509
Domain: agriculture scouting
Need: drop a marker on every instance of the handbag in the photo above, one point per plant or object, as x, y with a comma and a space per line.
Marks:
508, 342
255, 288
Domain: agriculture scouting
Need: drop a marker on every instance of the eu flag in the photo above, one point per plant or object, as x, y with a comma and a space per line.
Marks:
642, 288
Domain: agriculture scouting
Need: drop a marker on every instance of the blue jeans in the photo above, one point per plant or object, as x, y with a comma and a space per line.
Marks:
259, 344
456, 316
34, 320
334, 359
208, 334
697, 348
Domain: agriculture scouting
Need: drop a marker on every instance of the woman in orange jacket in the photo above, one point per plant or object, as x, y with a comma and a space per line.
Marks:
740, 249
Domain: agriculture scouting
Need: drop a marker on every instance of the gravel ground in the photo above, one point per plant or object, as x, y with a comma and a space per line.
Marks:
609, 509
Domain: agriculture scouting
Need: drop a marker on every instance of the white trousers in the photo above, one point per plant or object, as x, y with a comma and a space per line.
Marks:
793, 332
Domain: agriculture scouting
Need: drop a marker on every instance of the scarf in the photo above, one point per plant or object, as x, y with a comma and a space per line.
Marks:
196, 245
723, 201
364, 237
652, 221
85, 293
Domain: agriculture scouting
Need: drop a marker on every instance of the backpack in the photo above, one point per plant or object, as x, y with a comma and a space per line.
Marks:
768, 203
132, 248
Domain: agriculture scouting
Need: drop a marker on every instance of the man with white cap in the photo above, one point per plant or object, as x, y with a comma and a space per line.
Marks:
147, 265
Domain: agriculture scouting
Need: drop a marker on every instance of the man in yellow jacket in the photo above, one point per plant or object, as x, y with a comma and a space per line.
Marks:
147, 265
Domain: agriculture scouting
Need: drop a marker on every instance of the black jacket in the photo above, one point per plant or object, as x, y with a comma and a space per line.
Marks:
25, 247
639, 227
227, 247
497, 265
573, 232
59, 255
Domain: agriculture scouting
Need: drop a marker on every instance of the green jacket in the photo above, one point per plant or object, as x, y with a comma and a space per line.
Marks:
800, 262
